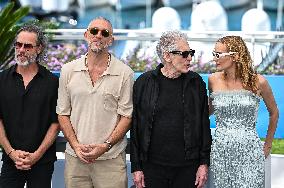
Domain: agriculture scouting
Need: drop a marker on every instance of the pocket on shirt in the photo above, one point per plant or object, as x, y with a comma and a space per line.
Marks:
110, 101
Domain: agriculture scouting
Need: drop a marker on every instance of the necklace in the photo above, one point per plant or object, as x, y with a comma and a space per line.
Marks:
108, 60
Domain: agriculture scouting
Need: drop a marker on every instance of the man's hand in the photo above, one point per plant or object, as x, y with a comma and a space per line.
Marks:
138, 179
18, 156
94, 151
28, 160
79, 149
201, 176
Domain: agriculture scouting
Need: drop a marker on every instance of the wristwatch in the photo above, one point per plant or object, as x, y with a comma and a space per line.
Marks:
109, 144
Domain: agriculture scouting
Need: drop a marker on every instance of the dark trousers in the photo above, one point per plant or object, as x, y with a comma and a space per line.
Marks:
159, 176
38, 177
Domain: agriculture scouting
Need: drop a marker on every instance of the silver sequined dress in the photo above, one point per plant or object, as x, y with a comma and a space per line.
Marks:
237, 158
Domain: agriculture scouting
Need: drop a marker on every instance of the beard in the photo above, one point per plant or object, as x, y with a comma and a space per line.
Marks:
98, 46
29, 59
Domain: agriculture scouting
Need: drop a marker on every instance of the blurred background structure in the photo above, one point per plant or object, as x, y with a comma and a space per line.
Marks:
137, 14
159, 15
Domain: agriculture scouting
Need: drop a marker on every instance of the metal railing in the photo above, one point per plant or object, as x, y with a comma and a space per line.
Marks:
151, 35
264, 38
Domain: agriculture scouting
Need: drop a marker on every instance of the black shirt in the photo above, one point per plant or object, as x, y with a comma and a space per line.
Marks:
27, 113
167, 140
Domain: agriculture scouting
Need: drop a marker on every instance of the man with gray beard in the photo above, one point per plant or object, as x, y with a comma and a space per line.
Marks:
28, 120
94, 110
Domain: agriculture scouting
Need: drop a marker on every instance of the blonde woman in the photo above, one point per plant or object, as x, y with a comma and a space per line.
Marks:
237, 154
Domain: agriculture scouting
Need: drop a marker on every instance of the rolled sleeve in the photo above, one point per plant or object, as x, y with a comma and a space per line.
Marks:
63, 102
125, 103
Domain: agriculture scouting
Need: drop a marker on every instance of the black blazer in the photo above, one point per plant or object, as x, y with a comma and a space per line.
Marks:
197, 135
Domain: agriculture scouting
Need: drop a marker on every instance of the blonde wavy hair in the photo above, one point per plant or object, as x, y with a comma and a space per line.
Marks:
244, 63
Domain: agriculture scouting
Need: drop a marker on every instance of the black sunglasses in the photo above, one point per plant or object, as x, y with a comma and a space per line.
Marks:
184, 54
27, 46
104, 32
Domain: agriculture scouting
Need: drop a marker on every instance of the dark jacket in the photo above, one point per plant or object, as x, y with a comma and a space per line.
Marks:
197, 134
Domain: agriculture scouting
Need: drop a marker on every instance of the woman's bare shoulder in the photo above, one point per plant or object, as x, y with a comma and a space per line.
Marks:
262, 82
215, 76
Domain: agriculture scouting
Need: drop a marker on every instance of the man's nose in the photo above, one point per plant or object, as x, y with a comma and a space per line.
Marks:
99, 34
22, 48
189, 57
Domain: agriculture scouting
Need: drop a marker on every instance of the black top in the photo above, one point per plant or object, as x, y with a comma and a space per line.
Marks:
167, 142
27, 113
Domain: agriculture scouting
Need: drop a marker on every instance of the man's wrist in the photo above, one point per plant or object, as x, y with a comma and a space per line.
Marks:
109, 145
74, 145
9, 153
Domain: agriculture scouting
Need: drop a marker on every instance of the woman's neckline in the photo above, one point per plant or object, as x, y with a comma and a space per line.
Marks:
235, 91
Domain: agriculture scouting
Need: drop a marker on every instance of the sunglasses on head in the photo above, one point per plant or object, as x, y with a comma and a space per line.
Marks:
104, 32
184, 54
219, 55
26, 46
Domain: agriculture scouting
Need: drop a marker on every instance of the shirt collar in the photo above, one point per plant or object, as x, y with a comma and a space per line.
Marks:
41, 70
81, 64
111, 70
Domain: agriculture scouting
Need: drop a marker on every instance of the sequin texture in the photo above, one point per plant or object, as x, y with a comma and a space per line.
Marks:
237, 158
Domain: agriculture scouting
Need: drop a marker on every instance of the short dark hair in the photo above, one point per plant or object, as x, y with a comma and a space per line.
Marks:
41, 39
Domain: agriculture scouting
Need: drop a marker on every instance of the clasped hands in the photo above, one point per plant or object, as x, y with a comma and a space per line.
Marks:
24, 160
88, 153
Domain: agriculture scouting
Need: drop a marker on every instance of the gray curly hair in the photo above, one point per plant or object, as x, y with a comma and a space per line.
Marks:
41, 39
167, 42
